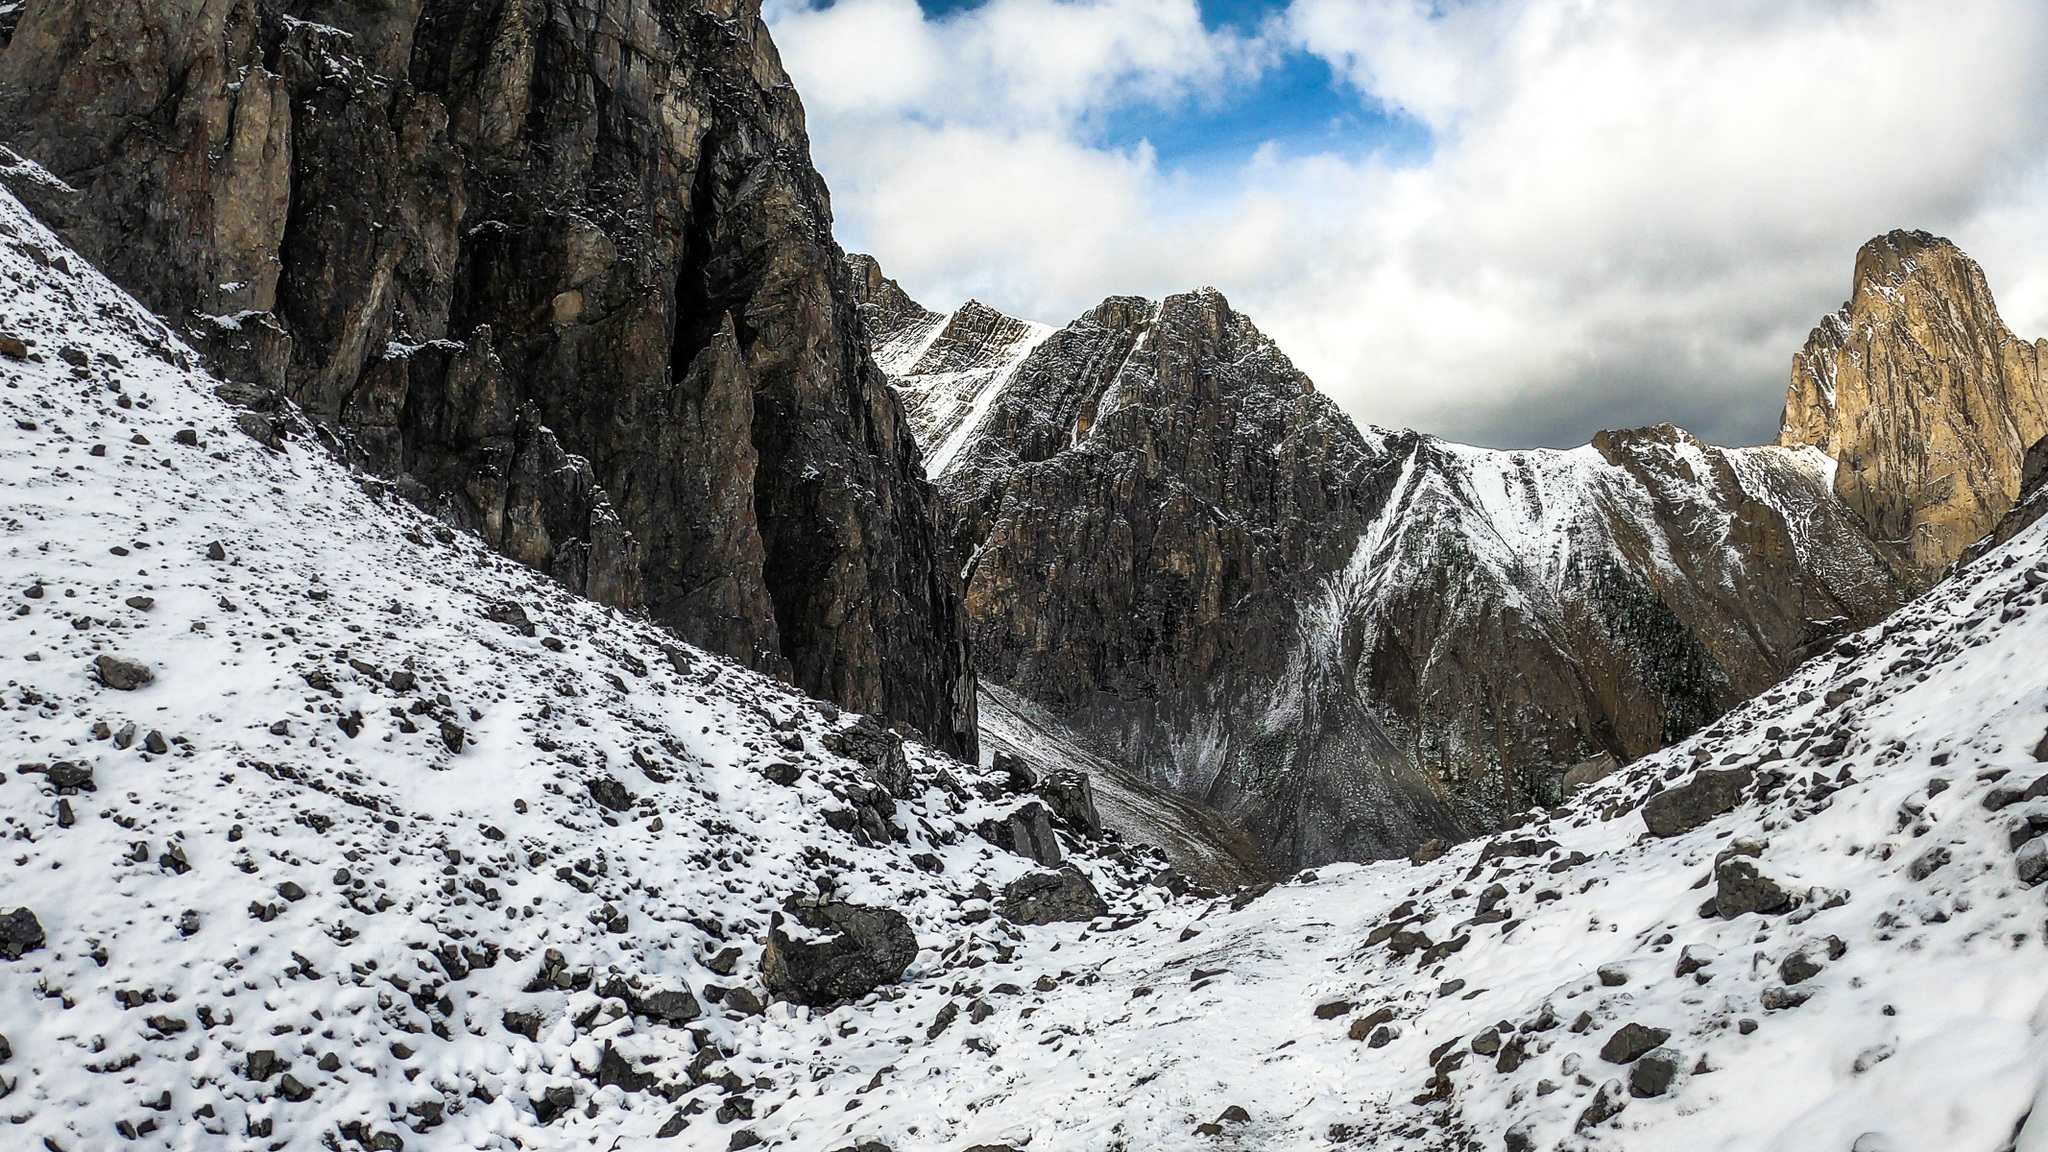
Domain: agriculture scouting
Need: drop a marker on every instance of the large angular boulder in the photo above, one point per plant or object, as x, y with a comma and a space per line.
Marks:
1027, 831
1711, 792
1049, 897
20, 934
1072, 799
1630, 1041
824, 952
122, 674
1741, 888
877, 750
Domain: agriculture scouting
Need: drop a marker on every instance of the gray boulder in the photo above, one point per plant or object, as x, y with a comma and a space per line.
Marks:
2032, 861
122, 674
1653, 1074
1020, 776
1711, 792
1741, 888
20, 934
877, 750
1047, 897
1607, 1103
1630, 1041
1072, 799
839, 952
1798, 968
1027, 831
607, 790
670, 1006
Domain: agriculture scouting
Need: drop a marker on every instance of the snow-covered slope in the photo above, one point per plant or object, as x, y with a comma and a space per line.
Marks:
361, 812
1895, 995
399, 842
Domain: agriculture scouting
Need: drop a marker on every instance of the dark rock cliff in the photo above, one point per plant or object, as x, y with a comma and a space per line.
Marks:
1355, 639
1149, 501
562, 268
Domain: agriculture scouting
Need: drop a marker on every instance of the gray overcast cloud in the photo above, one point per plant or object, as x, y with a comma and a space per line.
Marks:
1631, 210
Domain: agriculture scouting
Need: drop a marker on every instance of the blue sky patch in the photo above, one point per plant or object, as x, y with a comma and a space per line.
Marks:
1300, 105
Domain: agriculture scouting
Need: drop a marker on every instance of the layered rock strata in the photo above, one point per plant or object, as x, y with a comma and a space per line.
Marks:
1923, 397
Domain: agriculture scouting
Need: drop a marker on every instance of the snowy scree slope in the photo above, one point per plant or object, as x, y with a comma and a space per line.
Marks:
327, 823
1816, 923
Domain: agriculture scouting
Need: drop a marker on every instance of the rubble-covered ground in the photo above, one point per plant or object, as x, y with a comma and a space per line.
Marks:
362, 836
398, 843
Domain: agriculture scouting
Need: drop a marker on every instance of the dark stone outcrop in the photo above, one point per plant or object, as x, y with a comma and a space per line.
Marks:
1027, 830
1740, 888
561, 268
1653, 1074
848, 951
669, 1005
1048, 897
1071, 796
1711, 792
121, 673
20, 934
877, 750
1631, 1041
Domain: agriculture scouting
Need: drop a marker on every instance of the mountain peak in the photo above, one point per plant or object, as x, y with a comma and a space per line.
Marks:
1923, 397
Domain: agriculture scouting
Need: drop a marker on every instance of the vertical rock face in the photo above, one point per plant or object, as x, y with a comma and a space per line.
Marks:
1149, 500
1354, 639
560, 267
1925, 400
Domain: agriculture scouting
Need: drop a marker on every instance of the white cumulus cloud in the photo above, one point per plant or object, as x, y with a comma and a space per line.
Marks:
1630, 211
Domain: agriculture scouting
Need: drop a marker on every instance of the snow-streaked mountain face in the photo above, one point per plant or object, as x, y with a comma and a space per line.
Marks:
946, 368
1354, 640
398, 842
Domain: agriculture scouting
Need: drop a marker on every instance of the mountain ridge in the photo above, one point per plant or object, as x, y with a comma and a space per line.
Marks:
1638, 586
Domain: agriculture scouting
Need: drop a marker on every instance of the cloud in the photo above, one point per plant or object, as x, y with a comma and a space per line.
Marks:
1630, 211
